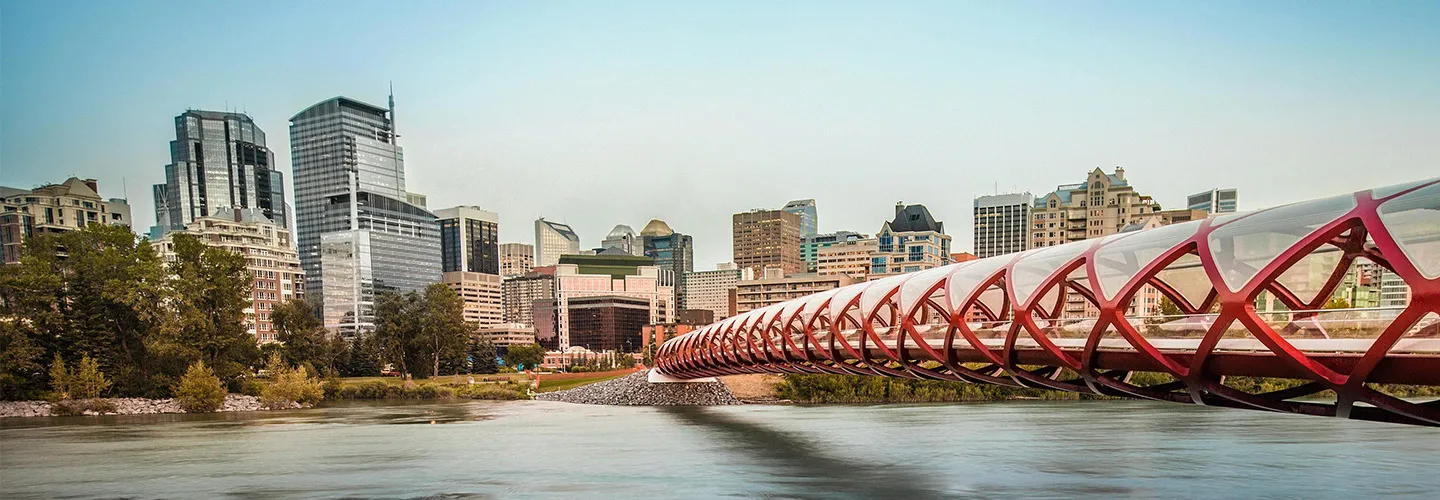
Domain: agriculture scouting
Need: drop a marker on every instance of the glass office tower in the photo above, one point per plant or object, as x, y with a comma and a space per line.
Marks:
356, 232
218, 160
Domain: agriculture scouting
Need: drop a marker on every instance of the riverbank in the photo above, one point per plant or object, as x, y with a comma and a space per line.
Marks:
121, 406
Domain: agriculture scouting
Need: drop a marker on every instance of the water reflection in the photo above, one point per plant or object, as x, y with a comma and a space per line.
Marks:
800, 467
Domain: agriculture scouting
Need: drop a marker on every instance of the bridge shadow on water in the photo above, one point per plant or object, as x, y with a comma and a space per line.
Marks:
801, 470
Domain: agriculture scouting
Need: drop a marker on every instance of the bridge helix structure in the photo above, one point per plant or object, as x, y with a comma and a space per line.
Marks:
1072, 317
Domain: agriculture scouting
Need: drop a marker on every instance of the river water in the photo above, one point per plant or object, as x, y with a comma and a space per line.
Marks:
534, 449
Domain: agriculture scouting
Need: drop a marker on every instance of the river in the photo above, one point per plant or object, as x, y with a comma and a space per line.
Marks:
534, 449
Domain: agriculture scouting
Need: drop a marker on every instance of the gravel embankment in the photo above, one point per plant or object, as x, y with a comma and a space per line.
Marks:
636, 390
129, 406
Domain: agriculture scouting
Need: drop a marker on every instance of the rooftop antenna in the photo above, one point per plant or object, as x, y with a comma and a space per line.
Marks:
394, 132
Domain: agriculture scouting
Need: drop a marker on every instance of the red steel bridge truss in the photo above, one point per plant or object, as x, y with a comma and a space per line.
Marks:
1067, 317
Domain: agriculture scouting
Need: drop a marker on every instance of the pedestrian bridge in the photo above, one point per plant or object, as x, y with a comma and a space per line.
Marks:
1250, 294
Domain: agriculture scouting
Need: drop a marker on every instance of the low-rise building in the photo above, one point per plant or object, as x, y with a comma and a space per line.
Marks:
506, 335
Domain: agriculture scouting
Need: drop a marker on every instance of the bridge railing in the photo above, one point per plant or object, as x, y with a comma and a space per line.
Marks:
1250, 290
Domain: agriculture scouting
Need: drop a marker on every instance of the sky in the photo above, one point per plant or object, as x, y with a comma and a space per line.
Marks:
605, 113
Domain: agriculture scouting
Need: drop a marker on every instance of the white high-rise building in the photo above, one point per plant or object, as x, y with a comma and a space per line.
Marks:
553, 239
712, 290
1002, 224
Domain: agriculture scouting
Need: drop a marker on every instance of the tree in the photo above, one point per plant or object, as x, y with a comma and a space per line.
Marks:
59, 379
88, 381
98, 291
366, 357
527, 355
443, 329
482, 355
396, 328
212, 290
289, 385
19, 361
1336, 302
302, 337
199, 390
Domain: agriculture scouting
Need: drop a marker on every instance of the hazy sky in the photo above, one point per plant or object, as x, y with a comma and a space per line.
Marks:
598, 113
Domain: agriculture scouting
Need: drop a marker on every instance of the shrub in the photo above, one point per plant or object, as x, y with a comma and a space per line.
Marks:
289, 385
251, 387
332, 387
72, 407
59, 380
100, 405
199, 390
492, 391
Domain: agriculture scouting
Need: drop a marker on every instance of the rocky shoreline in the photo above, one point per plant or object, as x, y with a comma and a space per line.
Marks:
129, 406
636, 390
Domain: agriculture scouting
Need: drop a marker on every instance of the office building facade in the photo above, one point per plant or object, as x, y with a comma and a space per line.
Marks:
773, 287
602, 302
469, 240
553, 239
516, 259
712, 290
1214, 201
518, 295
809, 218
850, 258
810, 246
358, 233
761, 238
624, 239
674, 253
218, 160
1002, 223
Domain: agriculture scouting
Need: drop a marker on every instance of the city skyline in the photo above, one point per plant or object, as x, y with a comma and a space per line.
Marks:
629, 107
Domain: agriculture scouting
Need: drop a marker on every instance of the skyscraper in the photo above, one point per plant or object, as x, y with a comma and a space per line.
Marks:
673, 252
1215, 201
469, 240
218, 160
623, 238
516, 259
809, 218
1002, 223
357, 233
553, 239
761, 238
470, 261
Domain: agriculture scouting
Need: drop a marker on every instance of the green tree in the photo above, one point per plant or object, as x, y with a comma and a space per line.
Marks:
59, 379
88, 381
99, 291
482, 355
443, 330
302, 336
289, 385
1336, 302
19, 360
528, 355
199, 390
397, 327
212, 289
364, 357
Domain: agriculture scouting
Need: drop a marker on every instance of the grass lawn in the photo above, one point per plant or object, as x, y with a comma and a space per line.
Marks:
560, 385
